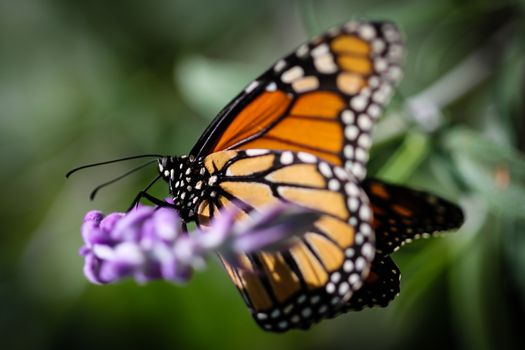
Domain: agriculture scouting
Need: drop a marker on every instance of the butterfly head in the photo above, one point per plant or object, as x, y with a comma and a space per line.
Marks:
172, 168
167, 165
186, 178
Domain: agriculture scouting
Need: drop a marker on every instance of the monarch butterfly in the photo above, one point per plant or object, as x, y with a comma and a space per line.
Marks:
300, 133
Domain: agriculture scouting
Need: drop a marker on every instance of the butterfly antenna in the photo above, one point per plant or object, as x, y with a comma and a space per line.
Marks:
111, 161
94, 192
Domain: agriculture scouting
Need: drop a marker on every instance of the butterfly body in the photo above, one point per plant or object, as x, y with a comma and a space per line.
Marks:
188, 180
300, 133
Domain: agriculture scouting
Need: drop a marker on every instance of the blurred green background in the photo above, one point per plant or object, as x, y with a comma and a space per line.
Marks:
85, 81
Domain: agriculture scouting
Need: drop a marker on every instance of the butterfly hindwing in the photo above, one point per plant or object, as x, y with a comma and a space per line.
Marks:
402, 214
318, 274
322, 99
380, 287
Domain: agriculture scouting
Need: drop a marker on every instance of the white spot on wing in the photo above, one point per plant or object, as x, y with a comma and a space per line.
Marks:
341, 173
335, 277
365, 213
378, 45
343, 288
351, 26
306, 84
353, 279
358, 170
320, 50
359, 102
394, 73
302, 50
325, 169
307, 312
351, 132
251, 86
262, 316
367, 32
364, 122
306, 157
349, 151
333, 185
351, 189
374, 81
360, 264
271, 86
292, 74
380, 96
367, 251
347, 116
380, 64
390, 32
325, 64
365, 229
352, 203
395, 52
374, 110
364, 141
282, 324
361, 155
286, 158
348, 266
279, 66
256, 152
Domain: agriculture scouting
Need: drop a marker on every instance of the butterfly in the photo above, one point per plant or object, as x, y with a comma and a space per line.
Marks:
300, 133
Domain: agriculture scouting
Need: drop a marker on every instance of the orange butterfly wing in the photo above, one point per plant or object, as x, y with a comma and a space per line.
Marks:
315, 277
322, 99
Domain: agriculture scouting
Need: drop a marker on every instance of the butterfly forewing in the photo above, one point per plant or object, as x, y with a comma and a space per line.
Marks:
323, 98
318, 274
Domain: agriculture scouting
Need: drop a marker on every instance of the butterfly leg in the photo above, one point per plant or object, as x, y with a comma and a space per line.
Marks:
152, 199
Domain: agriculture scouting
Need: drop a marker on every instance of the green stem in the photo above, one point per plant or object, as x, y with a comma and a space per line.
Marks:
406, 159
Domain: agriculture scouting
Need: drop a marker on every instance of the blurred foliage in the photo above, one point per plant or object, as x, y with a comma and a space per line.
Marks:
83, 81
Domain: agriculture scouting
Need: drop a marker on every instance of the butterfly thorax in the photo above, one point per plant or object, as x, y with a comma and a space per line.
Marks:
187, 178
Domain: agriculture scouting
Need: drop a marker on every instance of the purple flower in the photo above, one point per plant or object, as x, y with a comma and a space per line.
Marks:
148, 243
137, 244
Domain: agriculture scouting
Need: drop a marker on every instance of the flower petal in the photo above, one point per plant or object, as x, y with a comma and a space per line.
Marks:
220, 230
148, 243
128, 228
92, 268
93, 216
167, 224
103, 252
275, 229
109, 222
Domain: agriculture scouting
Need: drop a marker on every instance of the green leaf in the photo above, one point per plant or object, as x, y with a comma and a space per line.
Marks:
406, 159
207, 85
494, 171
